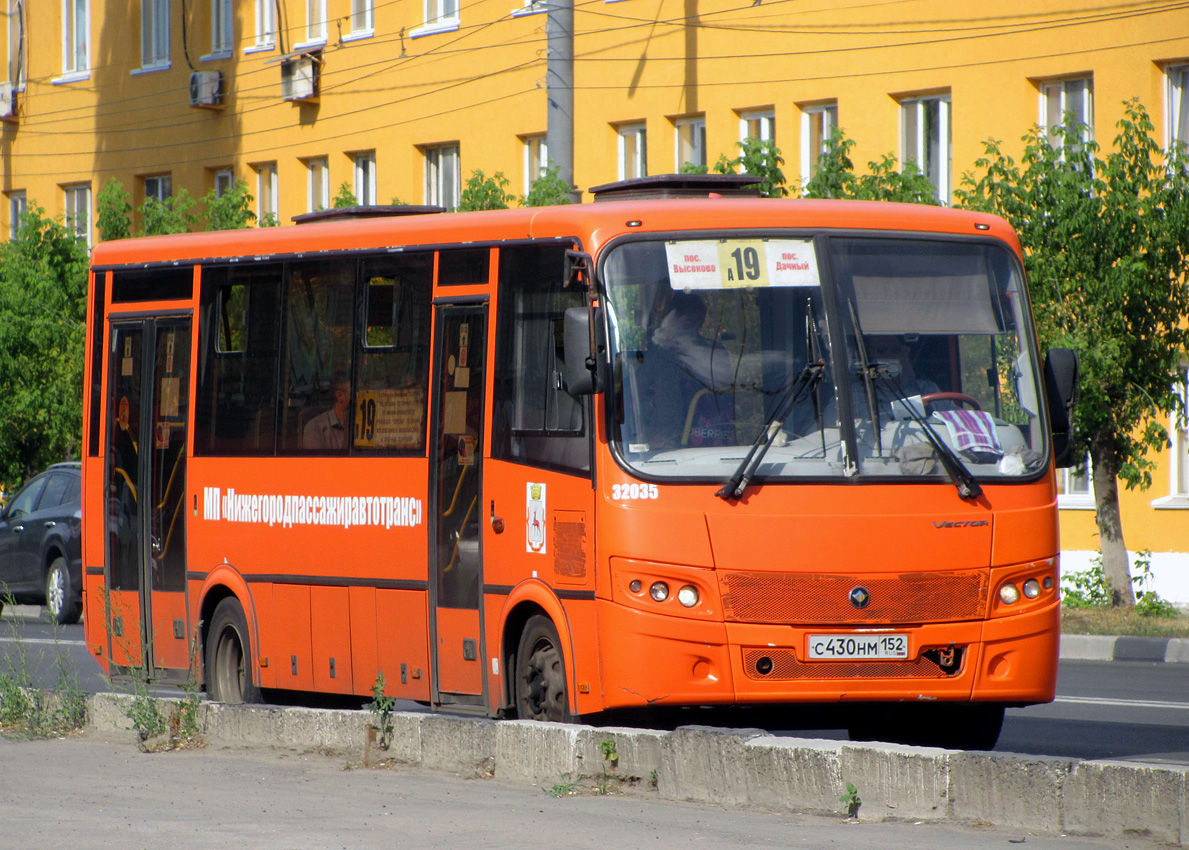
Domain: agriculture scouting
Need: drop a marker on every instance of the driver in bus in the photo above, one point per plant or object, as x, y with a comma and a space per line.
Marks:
328, 430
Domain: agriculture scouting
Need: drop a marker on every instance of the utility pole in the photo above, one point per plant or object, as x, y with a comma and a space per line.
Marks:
559, 89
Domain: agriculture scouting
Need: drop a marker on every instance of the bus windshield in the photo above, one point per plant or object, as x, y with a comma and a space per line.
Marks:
924, 343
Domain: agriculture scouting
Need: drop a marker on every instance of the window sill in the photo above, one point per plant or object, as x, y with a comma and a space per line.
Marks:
1171, 503
361, 35
447, 25
1075, 503
150, 69
216, 56
72, 77
260, 48
530, 9
308, 45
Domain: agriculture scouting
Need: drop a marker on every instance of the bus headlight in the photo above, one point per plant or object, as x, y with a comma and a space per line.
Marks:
1009, 594
1032, 588
688, 596
659, 591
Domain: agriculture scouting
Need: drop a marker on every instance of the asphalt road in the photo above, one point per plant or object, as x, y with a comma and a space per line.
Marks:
88, 794
1104, 709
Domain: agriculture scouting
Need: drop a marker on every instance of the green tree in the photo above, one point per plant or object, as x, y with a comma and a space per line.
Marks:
169, 216
344, 198
549, 190
230, 211
1107, 250
834, 177
43, 281
485, 193
113, 211
760, 158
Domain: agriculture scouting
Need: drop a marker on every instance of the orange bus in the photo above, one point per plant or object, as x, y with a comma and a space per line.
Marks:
677, 447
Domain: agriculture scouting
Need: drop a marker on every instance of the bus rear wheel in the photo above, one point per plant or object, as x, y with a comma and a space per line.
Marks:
541, 692
229, 657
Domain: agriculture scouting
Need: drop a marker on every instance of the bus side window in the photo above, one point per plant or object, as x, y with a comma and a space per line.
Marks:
537, 422
320, 310
236, 410
393, 375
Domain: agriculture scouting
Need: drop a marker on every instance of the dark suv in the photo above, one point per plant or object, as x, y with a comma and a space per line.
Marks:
40, 544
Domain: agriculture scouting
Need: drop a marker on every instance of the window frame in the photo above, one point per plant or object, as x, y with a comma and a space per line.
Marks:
818, 123
162, 187
696, 144
317, 190
73, 193
1076, 492
440, 16
632, 149
17, 38
317, 24
155, 36
536, 158
1178, 448
763, 120
266, 27
361, 20
364, 167
222, 30
436, 190
76, 41
915, 116
1061, 88
266, 192
18, 204
1176, 106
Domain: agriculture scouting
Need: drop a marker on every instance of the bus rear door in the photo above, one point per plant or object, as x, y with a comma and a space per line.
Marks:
456, 487
145, 483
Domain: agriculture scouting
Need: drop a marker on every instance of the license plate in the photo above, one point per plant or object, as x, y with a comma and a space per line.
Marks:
857, 647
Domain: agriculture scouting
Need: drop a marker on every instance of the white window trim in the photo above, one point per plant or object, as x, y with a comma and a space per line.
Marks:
314, 204
767, 119
918, 105
369, 28
1174, 104
157, 64
809, 156
1178, 451
641, 155
1047, 87
438, 23
433, 182
692, 121
14, 20
70, 74
365, 178
533, 170
18, 203
1077, 501
266, 28
70, 191
531, 7
267, 171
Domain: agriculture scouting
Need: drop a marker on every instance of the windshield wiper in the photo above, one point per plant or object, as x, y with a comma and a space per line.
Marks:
806, 380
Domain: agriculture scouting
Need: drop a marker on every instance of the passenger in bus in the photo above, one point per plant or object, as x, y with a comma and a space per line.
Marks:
894, 353
328, 430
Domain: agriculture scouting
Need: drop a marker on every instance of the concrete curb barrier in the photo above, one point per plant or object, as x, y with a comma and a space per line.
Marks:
734, 768
1112, 648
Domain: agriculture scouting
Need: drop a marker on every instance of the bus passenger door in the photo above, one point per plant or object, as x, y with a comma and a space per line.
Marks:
456, 477
148, 400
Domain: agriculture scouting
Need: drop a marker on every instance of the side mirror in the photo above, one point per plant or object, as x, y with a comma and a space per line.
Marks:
1061, 380
586, 367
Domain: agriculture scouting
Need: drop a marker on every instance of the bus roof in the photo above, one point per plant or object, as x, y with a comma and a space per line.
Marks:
593, 224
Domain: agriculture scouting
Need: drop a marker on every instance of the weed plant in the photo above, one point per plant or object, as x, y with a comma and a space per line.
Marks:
29, 711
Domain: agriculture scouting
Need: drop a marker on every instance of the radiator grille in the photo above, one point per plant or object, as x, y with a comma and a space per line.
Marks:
785, 666
812, 599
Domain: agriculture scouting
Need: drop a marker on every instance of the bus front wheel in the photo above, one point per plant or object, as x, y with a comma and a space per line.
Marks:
229, 657
541, 673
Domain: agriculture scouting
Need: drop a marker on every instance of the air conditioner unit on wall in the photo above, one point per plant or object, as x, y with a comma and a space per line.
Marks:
8, 102
206, 88
299, 77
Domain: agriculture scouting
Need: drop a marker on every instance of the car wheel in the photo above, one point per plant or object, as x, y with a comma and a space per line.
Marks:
229, 656
64, 607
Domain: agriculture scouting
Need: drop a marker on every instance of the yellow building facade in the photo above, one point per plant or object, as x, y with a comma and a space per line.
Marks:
401, 100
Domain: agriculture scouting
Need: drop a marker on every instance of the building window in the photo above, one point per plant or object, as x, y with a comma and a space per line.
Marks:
440, 16
1178, 449
818, 124
16, 41
17, 205
363, 21
317, 184
925, 139
1176, 109
315, 22
158, 188
224, 181
690, 142
536, 160
1075, 487
760, 124
365, 178
266, 25
154, 34
442, 186
78, 211
1067, 102
222, 40
633, 151
76, 27
267, 213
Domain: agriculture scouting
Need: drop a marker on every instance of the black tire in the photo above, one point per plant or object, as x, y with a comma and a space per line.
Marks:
952, 726
63, 605
540, 685
228, 656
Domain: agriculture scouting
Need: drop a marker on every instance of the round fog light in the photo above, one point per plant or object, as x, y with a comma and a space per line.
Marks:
1032, 588
659, 591
634, 586
1009, 593
688, 596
